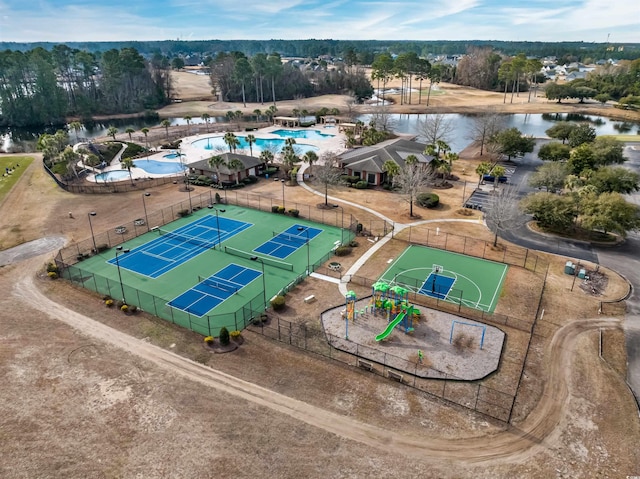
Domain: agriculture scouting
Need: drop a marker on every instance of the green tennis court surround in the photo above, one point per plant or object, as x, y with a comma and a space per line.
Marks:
456, 278
176, 273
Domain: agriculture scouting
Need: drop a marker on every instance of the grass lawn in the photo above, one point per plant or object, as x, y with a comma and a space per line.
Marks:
8, 180
624, 138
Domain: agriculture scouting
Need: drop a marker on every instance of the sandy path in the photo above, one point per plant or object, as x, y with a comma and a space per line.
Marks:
539, 431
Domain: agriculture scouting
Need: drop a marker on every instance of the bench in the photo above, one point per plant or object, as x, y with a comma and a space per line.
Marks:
310, 299
365, 365
395, 376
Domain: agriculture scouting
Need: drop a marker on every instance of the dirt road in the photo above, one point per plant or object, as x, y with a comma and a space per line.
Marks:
539, 431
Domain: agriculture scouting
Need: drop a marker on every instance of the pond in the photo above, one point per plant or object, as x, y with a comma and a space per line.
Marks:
529, 124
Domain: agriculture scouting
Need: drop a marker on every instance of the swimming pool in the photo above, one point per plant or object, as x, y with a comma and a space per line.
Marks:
172, 156
306, 134
114, 175
271, 144
160, 167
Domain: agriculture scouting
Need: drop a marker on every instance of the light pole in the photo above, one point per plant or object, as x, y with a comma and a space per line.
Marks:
306, 230
211, 207
282, 181
264, 283
186, 182
144, 205
89, 215
341, 223
120, 250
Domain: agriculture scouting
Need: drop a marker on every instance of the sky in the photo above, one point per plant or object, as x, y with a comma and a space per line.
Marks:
516, 20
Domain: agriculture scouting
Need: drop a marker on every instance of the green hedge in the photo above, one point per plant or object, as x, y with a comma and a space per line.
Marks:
428, 200
278, 303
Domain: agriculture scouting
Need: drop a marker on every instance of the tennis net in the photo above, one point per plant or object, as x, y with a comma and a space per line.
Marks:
269, 261
289, 237
205, 243
224, 286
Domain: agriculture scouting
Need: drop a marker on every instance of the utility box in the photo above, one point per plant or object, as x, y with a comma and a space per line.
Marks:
582, 273
570, 268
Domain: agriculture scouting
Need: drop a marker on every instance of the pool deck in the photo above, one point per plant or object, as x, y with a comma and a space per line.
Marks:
192, 154
335, 143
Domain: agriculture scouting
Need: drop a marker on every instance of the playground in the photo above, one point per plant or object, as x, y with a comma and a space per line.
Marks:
387, 329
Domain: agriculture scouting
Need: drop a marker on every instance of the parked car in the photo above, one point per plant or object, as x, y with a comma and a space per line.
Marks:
491, 179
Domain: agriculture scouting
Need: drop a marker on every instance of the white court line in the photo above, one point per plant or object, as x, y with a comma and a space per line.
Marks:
498, 287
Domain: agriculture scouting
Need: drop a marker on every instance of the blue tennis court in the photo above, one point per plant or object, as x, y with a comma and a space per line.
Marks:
289, 241
173, 248
437, 286
215, 289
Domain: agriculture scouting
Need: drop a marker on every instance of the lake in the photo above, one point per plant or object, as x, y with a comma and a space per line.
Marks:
529, 124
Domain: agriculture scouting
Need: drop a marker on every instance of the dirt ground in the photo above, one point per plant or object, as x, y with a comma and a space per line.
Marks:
90, 392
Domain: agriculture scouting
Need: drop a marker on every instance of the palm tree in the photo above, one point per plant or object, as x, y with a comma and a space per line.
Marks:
231, 140
310, 157
130, 131
236, 166
188, 120
497, 172
128, 163
217, 162
482, 169
206, 117
271, 111
166, 124
112, 132
451, 157
145, 132
250, 139
258, 113
267, 156
391, 168
76, 126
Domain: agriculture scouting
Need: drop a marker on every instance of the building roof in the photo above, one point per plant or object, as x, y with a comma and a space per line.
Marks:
371, 158
247, 161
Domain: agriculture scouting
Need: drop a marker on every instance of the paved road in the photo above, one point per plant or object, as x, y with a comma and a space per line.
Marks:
624, 258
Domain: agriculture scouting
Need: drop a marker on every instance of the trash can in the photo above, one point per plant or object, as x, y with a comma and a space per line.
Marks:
359, 227
582, 273
569, 268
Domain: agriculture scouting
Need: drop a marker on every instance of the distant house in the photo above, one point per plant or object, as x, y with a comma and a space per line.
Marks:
367, 162
252, 166
576, 76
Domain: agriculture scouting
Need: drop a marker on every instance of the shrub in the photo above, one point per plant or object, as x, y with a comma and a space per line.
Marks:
343, 250
353, 243
362, 185
102, 247
350, 180
235, 335
281, 209
294, 212
52, 268
124, 308
218, 198
208, 340
278, 303
224, 336
108, 302
183, 213
133, 308
52, 274
428, 200
274, 209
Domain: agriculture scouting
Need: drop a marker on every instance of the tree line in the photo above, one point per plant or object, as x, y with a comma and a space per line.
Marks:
262, 77
565, 51
44, 87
